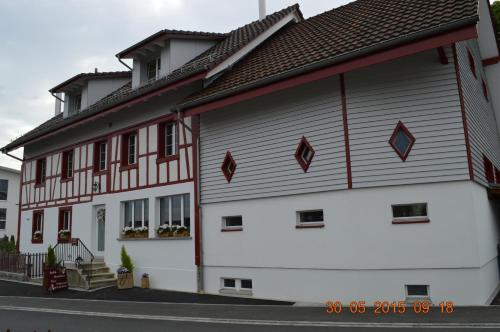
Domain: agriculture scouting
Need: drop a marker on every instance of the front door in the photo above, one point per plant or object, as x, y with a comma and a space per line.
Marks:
100, 227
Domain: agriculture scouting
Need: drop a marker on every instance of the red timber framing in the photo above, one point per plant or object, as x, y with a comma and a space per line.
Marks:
346, 131
491, 61
88, 182
464, 114
343, 67
195, 126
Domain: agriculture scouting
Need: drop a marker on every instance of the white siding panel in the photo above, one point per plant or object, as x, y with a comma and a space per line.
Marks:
481, 121
423, 94
263, 136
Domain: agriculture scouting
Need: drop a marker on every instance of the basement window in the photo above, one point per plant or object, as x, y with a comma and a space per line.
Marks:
304, 154
246, 284
236, 286
310, 219
228, 166
229, 283
410, 213
232, 223
420, 291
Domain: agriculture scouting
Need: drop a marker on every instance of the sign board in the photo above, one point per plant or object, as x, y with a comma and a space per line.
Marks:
58, 279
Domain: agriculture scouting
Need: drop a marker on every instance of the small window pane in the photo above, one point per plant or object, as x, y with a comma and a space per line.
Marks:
409, 210
170, 139
102, 156
128, 214
417, 290
3, 215
402, 142
233, 221
131, 149
229, 283
4, 186
311, 216
137, 213
246, 283
164, 210
176, 210
187, 210
146, 213
151, 70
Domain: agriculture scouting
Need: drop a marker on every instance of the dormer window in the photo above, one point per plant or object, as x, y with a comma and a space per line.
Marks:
77, 102
153, 69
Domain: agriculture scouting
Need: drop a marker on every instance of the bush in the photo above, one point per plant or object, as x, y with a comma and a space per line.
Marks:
126, 260
6, 245
51, 257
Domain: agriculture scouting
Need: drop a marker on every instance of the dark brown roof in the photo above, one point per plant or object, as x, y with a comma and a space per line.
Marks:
235, 40
337, 33
87, 76
171, 34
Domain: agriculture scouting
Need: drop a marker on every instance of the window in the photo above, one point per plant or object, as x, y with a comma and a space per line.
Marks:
485, 90
489, 171
167, 145
236, 286
4, 188
67, 163
246, 284
402, 141
129, 149
175, 210
40, 171
304, 154
136, 213
472, 63
100, 156
417, 290
229, 283
228, 166
64, 226
77, 102
409, 213
153, 69
3, 218
232, 223
313, 218
37, 227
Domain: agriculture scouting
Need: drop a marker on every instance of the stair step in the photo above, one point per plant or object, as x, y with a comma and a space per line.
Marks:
102, 283
101, 276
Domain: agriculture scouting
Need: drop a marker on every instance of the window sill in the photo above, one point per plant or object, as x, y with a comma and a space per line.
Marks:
156, 238
37, 241
96, 173
128, 167
63, 180
315, 225
234, 229
411, 221
39, 185
231, 291
165, 159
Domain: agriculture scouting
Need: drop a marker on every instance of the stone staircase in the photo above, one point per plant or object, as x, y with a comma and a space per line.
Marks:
100, 276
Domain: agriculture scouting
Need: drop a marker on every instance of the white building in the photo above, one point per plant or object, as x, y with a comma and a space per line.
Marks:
351, 156
9, 201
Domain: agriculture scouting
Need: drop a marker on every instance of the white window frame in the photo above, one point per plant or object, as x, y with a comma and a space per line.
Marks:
134, 151
312, 223
172, 125
101, 159
144, 216
70, 164
4, 220
410, 219
77, 102
169, 200
237, 289
39, 222
66, 220
231, 228
157, 64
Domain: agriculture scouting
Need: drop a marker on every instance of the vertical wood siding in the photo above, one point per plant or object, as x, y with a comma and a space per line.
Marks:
481, 122
80, 188
262, 136
422, 93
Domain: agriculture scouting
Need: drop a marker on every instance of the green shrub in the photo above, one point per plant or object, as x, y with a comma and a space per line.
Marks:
51, 257
6, 245
126, 260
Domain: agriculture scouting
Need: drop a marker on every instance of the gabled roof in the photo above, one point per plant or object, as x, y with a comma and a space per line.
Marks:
162, 35
234, 41
87, 76
337, 35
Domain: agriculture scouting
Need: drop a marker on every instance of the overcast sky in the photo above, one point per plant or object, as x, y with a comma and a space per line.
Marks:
45, 42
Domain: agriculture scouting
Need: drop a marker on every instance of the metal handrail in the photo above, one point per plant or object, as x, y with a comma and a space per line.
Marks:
75, 251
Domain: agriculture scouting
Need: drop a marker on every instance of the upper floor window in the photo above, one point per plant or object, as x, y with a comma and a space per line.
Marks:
67, 163
4, 188
129, 149
168, 140
100, 156
3, 218
77, 102
40, 171
153, 68
37, 227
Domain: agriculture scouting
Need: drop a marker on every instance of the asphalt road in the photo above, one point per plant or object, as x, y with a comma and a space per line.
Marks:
49, 314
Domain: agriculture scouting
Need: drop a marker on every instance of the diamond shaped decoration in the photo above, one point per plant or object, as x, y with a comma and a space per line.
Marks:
228, 166
402, 141
304, 154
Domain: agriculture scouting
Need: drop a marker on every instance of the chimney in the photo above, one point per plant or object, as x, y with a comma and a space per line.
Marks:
58, 103
95, 70
262, 9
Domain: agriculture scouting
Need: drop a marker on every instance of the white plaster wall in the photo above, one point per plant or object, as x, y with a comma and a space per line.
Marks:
170, 263
487, 40
12, 202
100, 88
359, 254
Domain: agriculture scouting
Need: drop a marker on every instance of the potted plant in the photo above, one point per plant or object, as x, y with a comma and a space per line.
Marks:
181, 231
142, 232
37, 235
165, 231
128, 232
145, 281
125, 272
64, 235
49, 266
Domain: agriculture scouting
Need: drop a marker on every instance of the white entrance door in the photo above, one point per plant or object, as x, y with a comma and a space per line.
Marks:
99, 230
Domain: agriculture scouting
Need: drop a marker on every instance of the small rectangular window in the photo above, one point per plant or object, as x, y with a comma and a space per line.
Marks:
77, 102
3, 218
129, 149
246, 284
229, 283
37, 227
4, 188
100, 156
153, 69
64, 225
410, 213
417, 290
310, 218
232, 223
67, 160
40, 171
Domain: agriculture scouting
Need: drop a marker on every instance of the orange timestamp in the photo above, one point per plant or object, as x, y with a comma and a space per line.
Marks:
388, 307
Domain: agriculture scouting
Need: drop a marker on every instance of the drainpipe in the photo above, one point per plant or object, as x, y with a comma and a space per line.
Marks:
123, 63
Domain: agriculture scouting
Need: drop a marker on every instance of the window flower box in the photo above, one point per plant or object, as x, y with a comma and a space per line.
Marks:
139, 232
172, 231
64, 235
37, 236
181, 231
